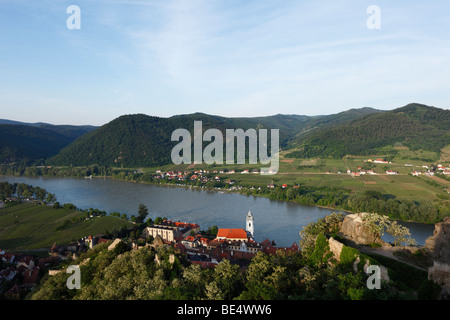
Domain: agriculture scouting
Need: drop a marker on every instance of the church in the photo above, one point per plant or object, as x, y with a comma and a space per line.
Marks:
238, 234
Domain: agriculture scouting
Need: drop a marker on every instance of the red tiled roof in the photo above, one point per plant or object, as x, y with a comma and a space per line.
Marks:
30, 276
232, 233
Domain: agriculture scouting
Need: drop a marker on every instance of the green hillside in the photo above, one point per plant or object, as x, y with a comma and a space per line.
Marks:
29, 226
33, 143
415, 126
141, 140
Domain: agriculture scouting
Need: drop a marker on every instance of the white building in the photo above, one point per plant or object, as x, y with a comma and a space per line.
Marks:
249, 226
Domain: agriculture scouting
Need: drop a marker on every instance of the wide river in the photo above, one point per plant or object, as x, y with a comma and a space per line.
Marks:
274, 220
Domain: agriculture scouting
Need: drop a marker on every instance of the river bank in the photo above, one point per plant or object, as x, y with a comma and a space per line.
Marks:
277, 219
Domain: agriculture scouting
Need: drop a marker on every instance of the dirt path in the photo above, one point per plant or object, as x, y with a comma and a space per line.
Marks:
389, 253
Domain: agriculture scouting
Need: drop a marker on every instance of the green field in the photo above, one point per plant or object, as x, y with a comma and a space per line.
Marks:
320, 172
27, 226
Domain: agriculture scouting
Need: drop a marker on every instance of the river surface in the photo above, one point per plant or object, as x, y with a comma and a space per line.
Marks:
274, 220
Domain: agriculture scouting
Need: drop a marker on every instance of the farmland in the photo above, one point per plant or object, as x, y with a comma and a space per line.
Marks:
29, 226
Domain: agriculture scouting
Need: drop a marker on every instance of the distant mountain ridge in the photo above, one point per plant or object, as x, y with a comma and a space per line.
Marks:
140, 140
33, 143
416, 126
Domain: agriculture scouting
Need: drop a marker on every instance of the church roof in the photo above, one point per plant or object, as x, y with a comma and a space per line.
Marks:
232, 233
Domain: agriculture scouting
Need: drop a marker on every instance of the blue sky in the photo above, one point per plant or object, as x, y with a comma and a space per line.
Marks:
225, 57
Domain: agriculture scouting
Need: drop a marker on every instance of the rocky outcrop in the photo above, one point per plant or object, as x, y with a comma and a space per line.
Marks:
114, 244
335, 248
438, 245
356, 230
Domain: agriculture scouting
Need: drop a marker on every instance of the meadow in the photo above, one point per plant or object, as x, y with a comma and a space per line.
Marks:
328, 172
27, 226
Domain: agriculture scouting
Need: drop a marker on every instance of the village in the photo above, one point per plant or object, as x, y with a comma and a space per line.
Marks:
426, 170
20, 273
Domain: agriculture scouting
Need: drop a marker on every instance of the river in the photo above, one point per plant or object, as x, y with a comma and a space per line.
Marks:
274, 220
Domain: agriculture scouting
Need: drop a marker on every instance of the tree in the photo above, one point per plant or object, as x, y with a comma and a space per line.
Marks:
40, 193
379, 224
227, 278
120, 248
51, 197
400, 234
142, 213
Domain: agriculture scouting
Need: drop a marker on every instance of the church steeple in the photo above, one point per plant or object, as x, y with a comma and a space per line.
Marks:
249, 227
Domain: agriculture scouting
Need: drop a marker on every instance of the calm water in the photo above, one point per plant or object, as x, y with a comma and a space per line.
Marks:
274, 220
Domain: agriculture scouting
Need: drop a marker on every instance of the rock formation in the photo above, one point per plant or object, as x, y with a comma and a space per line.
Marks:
438, 246
335, 248
356, 230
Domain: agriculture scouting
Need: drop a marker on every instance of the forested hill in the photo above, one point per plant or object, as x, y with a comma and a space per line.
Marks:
33, 143
142, 140
415, 126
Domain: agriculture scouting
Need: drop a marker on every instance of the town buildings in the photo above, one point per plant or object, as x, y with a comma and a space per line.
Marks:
234, 244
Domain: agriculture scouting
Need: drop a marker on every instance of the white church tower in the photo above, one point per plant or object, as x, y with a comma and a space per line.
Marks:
249, 227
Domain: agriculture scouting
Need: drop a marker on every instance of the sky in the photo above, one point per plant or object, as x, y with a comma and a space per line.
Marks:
233, 58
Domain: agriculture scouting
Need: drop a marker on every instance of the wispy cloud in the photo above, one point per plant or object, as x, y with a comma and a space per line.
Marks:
228, 57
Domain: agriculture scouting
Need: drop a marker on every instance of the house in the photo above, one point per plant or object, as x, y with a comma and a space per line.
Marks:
380, 161
284, 186
167, 233
391, 172
102, 240
230, 182
8, 257
190, 242
47, 261
416, 173
26, 261
30, 276
8, 274
171, 231
446, 172
269, 247
55, 249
